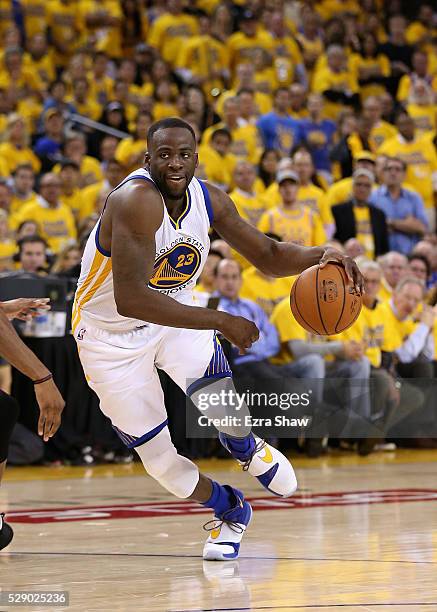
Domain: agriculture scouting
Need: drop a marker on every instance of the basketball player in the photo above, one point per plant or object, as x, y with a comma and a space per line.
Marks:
135, 311
48, 397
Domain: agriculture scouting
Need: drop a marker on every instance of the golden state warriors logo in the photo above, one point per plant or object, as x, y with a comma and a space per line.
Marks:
176, 267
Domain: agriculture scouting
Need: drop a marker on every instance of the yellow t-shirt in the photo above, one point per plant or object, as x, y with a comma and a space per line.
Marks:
56, 225
381, 61
364, 233
44, 68
100, 90
243, 48
339, 192
265, 291
299, 224
93, 198
249, 206
65, 26
168, 32
90, 108
13, 157
315, 198
201, 55
246, 143
109, 38
90, 170
395, 331
368, 328
385, 292
325, 79
130, 153
216, 168
17, 203
405, 87
381, 132
73, 202
35, 17
421, 159
7, 250
425, 117
288, 329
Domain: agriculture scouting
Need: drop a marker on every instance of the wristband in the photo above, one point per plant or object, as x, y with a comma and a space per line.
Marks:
42, 380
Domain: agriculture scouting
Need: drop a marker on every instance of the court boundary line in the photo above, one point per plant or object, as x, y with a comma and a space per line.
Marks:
174, 556
305, 607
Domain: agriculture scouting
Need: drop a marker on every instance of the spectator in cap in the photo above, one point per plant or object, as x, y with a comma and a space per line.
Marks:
357, 218
292, 221
49, 146
341, 191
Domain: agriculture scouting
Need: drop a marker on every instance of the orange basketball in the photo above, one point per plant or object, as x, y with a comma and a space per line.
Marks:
323, 302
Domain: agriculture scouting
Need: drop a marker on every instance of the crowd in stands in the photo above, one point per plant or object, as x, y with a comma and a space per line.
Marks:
319, 118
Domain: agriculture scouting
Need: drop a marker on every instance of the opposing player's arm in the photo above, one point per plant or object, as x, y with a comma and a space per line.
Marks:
136, 216
50, 401
271, 257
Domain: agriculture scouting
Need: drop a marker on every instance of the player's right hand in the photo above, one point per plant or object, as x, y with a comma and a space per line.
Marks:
241, 332
51, 404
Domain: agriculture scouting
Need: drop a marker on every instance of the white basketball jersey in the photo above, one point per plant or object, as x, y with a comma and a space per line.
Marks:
182, 247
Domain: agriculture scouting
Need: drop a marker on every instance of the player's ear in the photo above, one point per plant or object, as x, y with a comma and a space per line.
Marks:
147, 159
196, 157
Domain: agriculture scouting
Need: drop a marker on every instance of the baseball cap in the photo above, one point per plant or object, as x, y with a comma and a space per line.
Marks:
51, 112
286, 175
364, 156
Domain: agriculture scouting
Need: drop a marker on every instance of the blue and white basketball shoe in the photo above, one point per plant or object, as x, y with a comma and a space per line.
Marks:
227, 530
266, 463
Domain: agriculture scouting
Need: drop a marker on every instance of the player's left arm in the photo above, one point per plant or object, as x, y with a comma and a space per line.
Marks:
271, 257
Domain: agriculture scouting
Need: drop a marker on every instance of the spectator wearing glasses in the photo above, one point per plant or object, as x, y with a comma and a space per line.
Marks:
406, 218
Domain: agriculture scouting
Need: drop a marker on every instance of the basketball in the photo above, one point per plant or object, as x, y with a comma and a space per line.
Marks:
323, 302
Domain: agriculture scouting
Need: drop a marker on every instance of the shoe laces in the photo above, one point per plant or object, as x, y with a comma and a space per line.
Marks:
218, 523
259, 446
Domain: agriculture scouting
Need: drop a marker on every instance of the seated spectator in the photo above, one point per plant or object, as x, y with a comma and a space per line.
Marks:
48, 147
351, 145
341, 190
71, 193
55, 220
422, 107
310, 194
403, 208
357, 218
41, 62
94, 196
336, 82
381, 130
421, 160
101, 83
278, 129
75, 149
15, 150
291, 221
249, 205
216, 163
255, 362
298, 109
206, 283
26, 228
245, 143
398, 51
420, 72
22, 188
56, 98
5, 196
303, 356
418, 266
32, 255
318, 134
268, 167
394, 266
83, 101
68, 258
7, 245
130, 151
372, 67
429, 250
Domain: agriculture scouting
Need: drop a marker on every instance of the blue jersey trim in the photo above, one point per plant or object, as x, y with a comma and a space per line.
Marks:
130, 178
208, 204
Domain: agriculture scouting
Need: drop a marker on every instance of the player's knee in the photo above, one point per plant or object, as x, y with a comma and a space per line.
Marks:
174, 472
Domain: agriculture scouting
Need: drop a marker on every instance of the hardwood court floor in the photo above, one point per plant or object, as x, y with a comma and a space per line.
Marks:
361, 534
